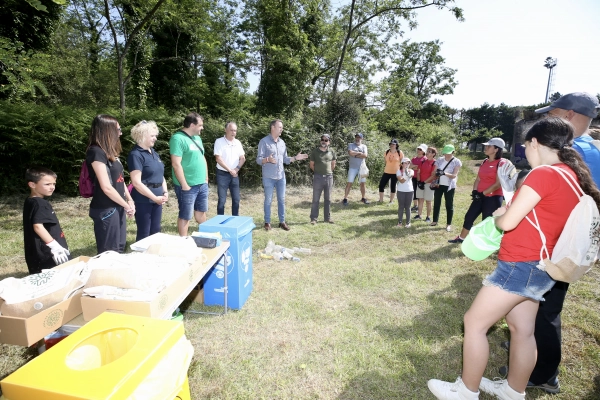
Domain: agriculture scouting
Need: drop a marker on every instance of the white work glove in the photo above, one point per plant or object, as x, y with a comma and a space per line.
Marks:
59, 254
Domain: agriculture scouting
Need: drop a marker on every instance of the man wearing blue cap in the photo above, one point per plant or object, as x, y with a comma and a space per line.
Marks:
579, 109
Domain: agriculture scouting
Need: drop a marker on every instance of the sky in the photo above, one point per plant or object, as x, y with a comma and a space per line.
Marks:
500, 49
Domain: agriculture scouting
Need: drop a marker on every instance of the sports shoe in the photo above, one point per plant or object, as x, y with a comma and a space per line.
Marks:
365, 201
414, 208
313, 221
330, 221
345, 202
501, 389
427, 219
448, 228
407, 226
552, 386
456, 240
417, 217
451, 390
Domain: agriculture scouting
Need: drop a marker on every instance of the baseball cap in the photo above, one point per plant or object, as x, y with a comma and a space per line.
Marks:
422, 147
448, 149
325, 135
394, 141
580, 102
359, 135
495, 142
405, 159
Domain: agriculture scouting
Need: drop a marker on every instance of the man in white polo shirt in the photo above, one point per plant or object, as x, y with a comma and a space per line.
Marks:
229, 154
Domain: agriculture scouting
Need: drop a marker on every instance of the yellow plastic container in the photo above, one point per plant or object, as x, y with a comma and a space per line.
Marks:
107, 358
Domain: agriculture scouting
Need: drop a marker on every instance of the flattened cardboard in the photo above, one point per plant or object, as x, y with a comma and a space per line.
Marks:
27, 331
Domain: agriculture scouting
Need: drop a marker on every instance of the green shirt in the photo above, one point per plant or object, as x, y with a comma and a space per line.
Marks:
322, 160
192, 158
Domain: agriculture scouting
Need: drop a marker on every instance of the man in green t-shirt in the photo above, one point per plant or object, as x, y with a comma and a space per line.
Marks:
190, 175
322, 163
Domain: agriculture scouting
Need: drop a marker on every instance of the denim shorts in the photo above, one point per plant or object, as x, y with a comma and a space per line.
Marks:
523, 278
353, 173
195, 199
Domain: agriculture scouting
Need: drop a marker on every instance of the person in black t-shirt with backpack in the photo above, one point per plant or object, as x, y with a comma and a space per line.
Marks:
43, 238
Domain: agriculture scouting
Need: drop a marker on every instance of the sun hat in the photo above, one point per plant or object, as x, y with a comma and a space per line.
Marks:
422, 147
405, 159
580, 102
360, 135
483, 239
495, 142
448, 149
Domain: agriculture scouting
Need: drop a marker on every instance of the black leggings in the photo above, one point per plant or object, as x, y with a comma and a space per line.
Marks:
384, 180
486, 206
442, 190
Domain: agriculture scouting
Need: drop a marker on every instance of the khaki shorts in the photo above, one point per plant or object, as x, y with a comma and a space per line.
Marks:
426, 193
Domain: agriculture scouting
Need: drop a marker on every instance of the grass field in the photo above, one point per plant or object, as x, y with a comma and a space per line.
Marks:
373, 313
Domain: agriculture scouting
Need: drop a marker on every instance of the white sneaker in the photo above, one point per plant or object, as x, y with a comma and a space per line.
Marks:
451, 390
501, 389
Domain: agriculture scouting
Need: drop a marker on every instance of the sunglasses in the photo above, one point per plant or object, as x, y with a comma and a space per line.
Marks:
324, 140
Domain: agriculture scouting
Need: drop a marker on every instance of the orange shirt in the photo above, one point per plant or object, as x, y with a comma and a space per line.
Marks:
392, 162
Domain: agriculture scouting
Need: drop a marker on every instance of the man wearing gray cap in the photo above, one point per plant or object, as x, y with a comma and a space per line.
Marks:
322, 163
579, 109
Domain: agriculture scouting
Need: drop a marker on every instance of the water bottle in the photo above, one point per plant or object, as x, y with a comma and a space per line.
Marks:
301, 250
269, 249
286, 254
295, 259
278, 257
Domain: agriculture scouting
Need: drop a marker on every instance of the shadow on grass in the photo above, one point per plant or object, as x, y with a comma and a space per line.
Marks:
594, 394
364, 386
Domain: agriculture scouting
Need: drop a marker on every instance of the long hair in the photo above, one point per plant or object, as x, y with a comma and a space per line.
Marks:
105, 134
557, 134
498, 153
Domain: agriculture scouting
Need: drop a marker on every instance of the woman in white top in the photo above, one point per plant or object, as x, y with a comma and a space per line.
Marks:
447, 168
404, 191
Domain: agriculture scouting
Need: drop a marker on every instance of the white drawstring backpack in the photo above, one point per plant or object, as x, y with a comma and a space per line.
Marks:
577, 247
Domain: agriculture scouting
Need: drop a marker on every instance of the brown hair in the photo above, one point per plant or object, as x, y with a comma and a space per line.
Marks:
105, 134
557, 134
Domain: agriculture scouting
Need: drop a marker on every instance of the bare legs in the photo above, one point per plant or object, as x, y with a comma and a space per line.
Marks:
489, 306
183, 224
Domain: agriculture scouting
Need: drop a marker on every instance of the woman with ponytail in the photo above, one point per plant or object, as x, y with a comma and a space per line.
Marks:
515, 288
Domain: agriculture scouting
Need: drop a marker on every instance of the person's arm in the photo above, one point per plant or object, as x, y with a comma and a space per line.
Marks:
454, 173
241, 162
400, 176
104, 183
42, 233
332, 165
492, 188
507, 219
178, 170
263, 155
59, 254
165, 190
311, 165
136, 179
476, 183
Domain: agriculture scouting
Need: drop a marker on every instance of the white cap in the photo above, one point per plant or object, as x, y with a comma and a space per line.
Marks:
422, 147
495, 142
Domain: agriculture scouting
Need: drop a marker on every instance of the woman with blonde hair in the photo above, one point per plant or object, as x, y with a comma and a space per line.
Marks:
147, 173
111, 202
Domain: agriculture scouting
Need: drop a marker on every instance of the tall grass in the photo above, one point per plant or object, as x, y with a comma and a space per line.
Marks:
373, 313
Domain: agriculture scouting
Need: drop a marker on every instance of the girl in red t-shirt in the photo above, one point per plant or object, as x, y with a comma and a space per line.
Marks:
517, 285
487, 193
425, 175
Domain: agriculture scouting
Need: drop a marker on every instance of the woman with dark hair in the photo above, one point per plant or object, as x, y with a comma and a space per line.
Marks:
425, 175
111, 202
447, 168
393, 155
147, 173
517, 285
487, 192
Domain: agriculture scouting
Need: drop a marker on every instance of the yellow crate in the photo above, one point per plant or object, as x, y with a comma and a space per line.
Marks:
120, 351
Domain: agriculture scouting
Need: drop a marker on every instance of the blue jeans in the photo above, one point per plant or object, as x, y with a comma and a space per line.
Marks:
226, 181
279, 186
195, 199
147, 219
522, 278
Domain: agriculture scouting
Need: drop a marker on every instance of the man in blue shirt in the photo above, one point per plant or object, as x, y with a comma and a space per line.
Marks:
272, 154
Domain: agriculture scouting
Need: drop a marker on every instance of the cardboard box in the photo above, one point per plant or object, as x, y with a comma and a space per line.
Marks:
27, 331
162, 306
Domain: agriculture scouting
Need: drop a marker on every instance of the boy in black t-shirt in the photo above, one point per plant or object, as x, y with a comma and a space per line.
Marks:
45, 243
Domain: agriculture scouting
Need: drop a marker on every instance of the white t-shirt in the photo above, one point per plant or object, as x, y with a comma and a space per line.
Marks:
229, 152
444, 180
406, 186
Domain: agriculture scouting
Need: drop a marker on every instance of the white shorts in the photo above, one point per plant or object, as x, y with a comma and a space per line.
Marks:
352, 174
426, 193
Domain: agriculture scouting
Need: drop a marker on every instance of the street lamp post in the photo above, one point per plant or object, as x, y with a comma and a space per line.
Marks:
550, 63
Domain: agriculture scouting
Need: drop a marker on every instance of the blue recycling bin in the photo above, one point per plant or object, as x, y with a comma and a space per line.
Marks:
238, 230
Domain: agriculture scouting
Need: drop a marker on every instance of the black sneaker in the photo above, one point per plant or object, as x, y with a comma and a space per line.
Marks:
345, 202
417, 217
415, 208
456, 240
365, 201
552, 386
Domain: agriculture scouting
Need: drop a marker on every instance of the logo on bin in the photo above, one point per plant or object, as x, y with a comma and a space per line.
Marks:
52, 319
246, 256
220, 267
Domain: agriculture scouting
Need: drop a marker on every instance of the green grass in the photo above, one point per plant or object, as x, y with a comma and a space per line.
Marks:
373, 313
